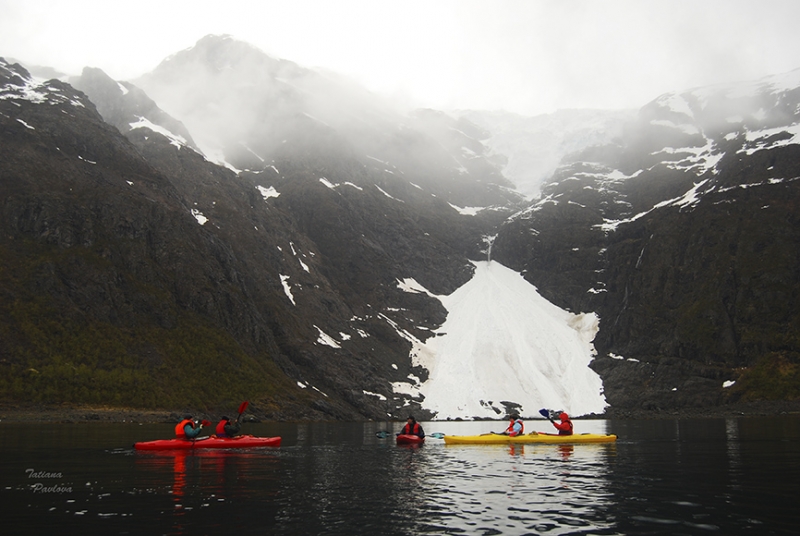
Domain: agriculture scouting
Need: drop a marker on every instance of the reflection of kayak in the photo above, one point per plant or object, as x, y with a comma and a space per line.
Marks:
213, 442
405, 439
499, 439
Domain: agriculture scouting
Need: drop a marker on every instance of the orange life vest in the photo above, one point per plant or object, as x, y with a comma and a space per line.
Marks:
179, 428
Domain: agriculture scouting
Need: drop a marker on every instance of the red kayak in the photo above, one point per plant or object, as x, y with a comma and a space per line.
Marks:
213, 442
409, 439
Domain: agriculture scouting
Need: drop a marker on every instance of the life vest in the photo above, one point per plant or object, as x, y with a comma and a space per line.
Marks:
221, 428
179, 428
510, 428
414, 430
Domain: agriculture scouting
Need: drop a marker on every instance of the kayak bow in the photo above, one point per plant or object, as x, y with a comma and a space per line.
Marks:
406, 439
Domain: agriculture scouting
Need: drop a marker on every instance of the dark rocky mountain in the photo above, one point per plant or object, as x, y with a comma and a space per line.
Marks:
127, 107
252, 248
683, 236
291, 268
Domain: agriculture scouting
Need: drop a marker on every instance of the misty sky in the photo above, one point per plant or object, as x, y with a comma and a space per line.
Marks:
526, 56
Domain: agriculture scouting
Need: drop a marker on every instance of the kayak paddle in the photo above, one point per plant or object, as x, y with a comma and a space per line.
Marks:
242, 407
383, 434
548, 414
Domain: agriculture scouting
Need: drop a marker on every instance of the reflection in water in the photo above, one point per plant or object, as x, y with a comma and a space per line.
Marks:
732, 477
208, 479
517, 489
180, 478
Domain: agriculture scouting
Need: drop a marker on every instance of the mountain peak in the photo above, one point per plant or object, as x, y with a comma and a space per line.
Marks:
217, 53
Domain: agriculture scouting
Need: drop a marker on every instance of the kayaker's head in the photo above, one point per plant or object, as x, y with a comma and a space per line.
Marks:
224, 418
514, 416
411, 419
563, 416
188, 417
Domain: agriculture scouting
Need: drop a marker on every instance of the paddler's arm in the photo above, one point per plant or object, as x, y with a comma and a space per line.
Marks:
192, 432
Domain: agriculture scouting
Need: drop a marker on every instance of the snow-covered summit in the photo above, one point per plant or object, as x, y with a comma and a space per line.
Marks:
690, 134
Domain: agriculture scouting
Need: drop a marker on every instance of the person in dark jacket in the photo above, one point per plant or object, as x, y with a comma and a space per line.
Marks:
226, 428
412, 427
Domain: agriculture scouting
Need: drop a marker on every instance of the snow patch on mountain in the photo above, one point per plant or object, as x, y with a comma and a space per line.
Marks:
287, 289
266, 193
770, 138
174, 139
201, 219
466, 211
28, 89
326, 339
504, 345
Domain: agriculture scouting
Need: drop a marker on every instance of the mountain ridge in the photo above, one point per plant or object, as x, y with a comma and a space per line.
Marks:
298, 246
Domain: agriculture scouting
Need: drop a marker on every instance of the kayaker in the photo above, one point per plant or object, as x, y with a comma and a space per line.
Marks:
564, 427
412, 427
226, 428
188, 428
515, 426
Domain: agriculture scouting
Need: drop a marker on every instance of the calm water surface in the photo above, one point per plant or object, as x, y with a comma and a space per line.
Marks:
714, 476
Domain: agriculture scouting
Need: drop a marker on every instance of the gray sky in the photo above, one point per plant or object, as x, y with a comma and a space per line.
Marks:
527, 56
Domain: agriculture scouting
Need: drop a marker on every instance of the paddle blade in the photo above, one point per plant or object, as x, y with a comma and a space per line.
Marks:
382, 434
436, 435
544, 413
243, 406
205, 422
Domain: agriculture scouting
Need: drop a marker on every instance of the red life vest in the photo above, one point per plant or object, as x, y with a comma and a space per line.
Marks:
179, 428
413, 430
221, 428
510, 428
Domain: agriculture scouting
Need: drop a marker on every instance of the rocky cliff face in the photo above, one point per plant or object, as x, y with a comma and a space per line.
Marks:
683, 238
294, 265
253, 249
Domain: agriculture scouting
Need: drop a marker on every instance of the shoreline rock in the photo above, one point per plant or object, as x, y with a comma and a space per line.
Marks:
92, 414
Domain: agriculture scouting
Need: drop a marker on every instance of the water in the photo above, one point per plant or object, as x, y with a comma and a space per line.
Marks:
714, 476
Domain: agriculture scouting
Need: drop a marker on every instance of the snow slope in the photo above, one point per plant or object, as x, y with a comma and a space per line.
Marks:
503, 342
534, 146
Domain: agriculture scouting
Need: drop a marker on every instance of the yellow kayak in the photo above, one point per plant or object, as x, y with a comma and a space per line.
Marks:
500, 439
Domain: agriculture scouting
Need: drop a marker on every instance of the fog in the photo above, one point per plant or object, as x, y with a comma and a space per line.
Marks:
529, 57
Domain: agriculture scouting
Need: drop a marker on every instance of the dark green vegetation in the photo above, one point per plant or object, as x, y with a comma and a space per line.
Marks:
775, 376
76, 329
54, 353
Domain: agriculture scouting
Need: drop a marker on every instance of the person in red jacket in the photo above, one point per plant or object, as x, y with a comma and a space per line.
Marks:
412, 427
226, 428
564, 427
